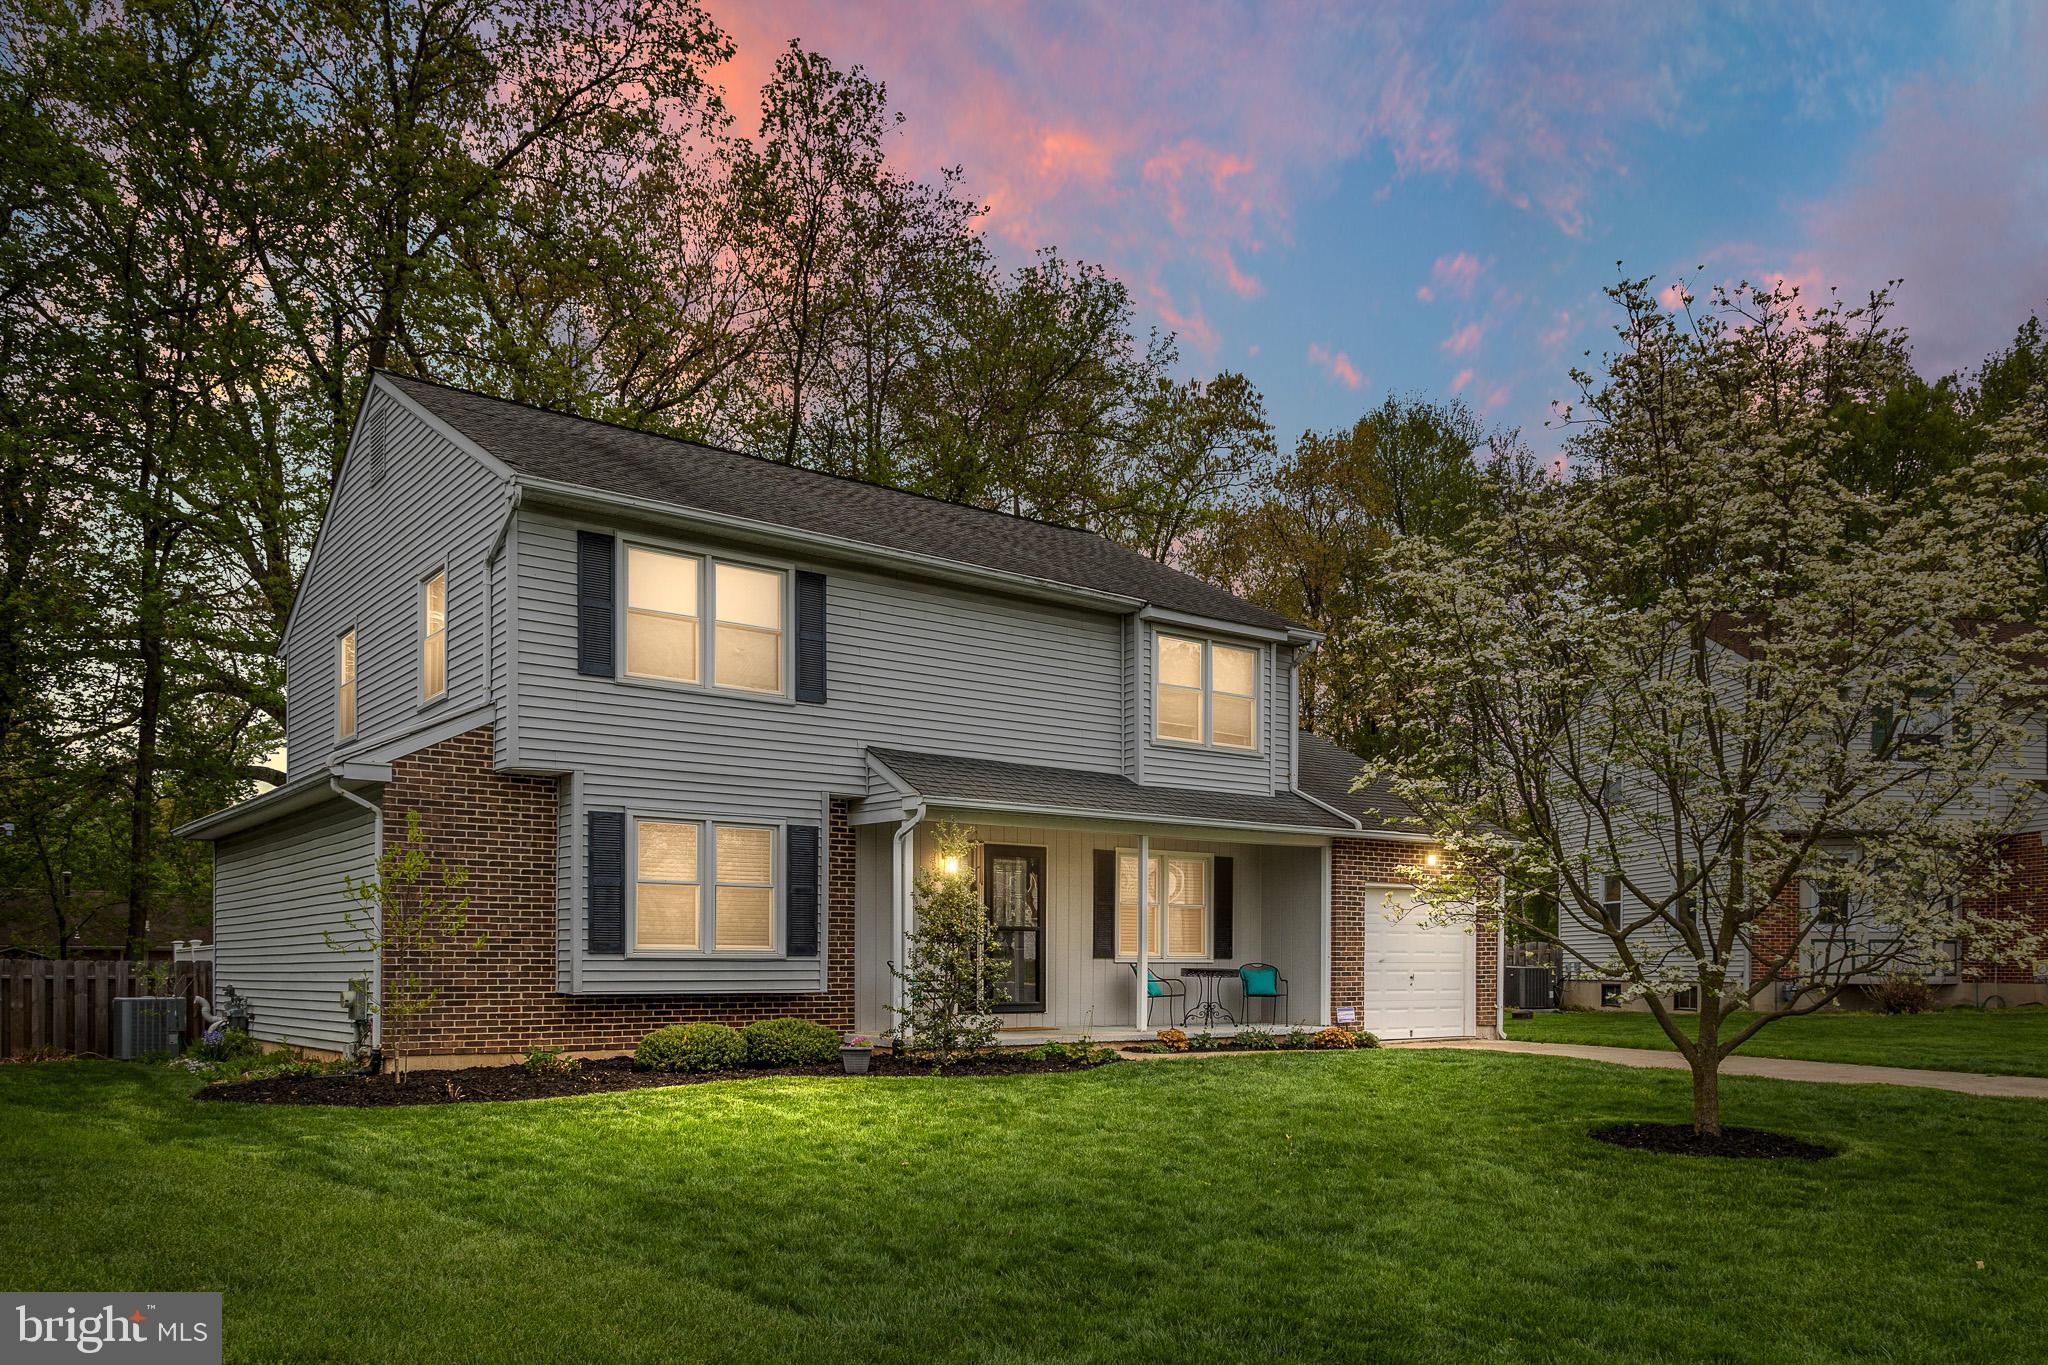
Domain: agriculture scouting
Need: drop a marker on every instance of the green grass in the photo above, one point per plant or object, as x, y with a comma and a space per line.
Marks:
1389, 1205
2010, 1042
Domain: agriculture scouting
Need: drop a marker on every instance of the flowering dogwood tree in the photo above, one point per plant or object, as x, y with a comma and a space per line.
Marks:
1761, 731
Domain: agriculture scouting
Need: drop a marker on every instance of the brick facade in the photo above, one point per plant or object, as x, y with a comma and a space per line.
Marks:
1358, 867
501, 1000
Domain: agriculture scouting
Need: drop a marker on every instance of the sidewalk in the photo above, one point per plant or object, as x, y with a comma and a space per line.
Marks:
1773, 1068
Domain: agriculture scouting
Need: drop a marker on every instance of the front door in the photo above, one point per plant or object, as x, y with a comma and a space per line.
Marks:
1013, 883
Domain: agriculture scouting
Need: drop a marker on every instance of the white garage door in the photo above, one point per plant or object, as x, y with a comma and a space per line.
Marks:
1418, 978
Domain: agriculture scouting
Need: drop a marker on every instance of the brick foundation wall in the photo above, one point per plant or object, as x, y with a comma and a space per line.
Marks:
502, 999
1772, 936
1358, 867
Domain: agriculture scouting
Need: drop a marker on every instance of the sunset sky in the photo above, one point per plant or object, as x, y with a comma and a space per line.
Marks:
1342, 200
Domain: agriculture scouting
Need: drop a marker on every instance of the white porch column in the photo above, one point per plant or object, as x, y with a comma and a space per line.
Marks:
901, 911
1144, 906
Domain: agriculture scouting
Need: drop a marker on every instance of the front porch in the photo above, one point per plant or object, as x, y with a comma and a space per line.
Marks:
1063, 893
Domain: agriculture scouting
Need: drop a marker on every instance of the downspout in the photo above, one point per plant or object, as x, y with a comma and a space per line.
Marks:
899, 910
491, 601
377, 843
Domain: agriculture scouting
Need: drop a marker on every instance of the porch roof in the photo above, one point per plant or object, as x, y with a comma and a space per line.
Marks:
989, 784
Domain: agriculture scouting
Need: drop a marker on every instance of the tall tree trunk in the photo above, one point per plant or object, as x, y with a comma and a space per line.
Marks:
142, 788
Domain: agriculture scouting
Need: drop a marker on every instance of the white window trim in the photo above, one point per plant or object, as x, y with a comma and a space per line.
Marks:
707, 622
355, 684
1208, 907
419, 652
707, 888
1208, 740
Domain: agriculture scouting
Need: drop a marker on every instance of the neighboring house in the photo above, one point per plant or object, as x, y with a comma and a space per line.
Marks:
688, 718
1957, 976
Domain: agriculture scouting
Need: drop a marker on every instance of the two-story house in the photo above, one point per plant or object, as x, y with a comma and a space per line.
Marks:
688, 717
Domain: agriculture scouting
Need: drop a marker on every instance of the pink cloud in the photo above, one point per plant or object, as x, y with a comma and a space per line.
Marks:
1457, 273
1496, 398
1425, 293
1560, 327
1464, 377
1672, 296
1337, 364
1464, 340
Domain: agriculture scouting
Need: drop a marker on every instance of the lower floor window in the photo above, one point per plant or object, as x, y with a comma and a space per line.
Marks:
1177, 897
676, 861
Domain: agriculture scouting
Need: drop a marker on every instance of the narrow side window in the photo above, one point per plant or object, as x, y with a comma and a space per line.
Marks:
345, 691
434, 637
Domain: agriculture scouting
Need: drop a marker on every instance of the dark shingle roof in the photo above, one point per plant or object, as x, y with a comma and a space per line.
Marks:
969, 781
596, 455
1326, 772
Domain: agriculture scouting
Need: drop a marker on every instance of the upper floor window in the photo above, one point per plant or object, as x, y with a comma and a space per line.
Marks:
1177, 905
345, 689
434, 637
1205, 693
674, 862
669, 595
1610, 899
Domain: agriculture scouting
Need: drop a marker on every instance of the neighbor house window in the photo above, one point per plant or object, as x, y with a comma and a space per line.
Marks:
1205, 693
675, 860
1177, 921
434, 637
661, 614
1610, 899
749, 628
1831, 905
668, 598
345, 691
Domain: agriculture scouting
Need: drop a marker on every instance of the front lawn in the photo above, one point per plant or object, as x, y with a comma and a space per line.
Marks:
2010, 1042
1388, 1205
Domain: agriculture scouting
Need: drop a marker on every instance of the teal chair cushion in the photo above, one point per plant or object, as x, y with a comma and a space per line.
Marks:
1260, 980
1153, 985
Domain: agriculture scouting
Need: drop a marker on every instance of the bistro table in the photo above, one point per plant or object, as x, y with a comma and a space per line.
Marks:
1209, 1008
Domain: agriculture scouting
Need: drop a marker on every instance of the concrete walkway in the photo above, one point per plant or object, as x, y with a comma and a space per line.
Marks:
1773, 1068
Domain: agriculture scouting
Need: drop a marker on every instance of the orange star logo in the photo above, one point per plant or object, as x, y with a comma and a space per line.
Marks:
136, 1316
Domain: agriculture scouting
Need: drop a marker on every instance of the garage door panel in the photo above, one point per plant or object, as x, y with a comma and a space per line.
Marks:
1418, 977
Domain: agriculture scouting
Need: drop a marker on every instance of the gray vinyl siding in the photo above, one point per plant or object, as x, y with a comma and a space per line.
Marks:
275, 890
433, 507
912, 664
1166, 764
874, 917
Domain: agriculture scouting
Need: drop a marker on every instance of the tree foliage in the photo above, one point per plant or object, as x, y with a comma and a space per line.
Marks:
1791, 707
950, 982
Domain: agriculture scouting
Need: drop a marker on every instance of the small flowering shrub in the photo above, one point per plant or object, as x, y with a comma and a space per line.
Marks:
1333, 1037
1296, 1038
1257, 1039
691, 1047
1365, 1039
1174, 1039
546, 1061
223, 1044
790, 1042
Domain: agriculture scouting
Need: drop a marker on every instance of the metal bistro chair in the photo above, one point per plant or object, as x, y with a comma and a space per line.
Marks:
1170, 989
1262, 981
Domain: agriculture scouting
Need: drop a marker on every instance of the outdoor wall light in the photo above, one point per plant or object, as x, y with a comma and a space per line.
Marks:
1431, 859
950, 865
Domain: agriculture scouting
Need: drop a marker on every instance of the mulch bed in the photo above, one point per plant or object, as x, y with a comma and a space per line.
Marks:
1679, 1139
475, 1084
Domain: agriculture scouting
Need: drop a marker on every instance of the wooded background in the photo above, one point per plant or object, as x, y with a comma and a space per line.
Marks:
218, 218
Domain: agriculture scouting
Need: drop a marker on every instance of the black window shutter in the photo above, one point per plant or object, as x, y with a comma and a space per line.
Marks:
801, 903
1226, 899
606, 870
810, 637
596, 621
1105, 902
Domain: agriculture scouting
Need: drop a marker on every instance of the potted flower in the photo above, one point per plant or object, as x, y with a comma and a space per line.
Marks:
855, 1053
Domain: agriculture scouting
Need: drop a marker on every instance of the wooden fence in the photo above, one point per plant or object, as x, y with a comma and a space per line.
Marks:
52, 1008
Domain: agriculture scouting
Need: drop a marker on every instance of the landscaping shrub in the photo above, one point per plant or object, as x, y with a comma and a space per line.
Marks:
546, 1061
1333, 1037
1902, 995
1365, 1039
1296, 1038
1174, 1039
223, 1044
691, 1047
790, 1042
1202, 1042
1257, 1039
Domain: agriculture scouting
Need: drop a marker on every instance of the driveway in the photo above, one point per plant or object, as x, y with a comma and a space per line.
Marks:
1773, 1068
